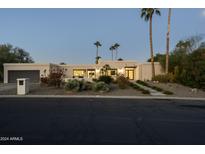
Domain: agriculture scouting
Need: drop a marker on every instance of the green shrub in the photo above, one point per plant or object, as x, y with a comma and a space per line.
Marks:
156, 88
139, 88
100, 86
106, 79
133, 85
164, 78
145, 91
86, 85
78, 85
94, 80
168, 93
73, 85
142, 83
122, 82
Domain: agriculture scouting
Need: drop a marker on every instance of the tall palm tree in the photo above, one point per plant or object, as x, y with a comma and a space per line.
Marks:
97, 44
116, 45
168, 41
147, 14
112, 48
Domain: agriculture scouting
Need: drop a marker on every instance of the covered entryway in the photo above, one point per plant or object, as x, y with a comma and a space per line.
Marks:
129, 73
33, 75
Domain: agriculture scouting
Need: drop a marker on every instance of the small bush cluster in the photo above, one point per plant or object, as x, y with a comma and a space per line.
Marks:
106, 79
81, 85
54, 79
78, 85
44, 80
101, 87
164, 78
142, 83
122, 82
139, 88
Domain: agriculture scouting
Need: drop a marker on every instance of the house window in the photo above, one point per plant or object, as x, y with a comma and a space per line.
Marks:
113, 72
20, 82
79, 73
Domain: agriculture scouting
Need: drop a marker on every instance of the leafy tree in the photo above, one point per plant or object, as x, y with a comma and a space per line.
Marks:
120, 59
9, 54
21, 56
147, 15
187, 63
62, 63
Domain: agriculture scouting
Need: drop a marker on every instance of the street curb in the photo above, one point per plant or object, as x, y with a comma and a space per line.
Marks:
100, 96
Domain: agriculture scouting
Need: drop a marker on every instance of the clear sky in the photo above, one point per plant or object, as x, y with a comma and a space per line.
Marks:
67, 35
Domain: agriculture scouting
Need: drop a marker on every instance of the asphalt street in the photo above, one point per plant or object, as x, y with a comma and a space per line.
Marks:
101, 121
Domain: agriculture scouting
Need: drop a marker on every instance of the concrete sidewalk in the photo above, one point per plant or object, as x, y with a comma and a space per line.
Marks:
101, 96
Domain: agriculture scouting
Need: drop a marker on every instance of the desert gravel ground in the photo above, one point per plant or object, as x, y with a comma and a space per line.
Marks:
36, 89
179, 90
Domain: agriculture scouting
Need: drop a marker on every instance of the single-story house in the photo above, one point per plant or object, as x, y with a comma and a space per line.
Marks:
130, 69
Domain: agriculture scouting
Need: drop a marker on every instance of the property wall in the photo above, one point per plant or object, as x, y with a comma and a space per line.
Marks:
145, 70
17, 66
137, 73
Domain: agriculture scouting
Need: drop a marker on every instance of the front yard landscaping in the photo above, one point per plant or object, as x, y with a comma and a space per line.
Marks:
155, 87
104, 86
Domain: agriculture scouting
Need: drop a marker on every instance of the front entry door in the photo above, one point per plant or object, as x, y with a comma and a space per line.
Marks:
130, 74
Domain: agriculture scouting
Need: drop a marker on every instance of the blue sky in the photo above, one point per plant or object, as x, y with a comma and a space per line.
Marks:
67, 35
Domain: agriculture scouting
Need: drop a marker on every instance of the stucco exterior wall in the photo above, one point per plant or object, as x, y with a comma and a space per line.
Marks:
145, 71
142, 71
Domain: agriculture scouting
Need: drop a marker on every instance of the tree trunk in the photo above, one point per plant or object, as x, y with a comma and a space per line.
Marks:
96, 56
116, 54
168, 40
151, 48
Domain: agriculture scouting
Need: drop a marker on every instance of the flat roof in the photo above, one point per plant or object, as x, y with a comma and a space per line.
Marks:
24, 64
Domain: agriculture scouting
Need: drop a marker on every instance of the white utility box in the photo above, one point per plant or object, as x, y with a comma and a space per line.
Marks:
22, 86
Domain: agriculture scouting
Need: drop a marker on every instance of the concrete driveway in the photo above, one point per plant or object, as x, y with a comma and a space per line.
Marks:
101, 121
7, 86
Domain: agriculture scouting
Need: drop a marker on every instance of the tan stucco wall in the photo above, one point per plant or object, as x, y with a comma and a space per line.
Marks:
145, 71
142, 71
17, 66
119, 65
